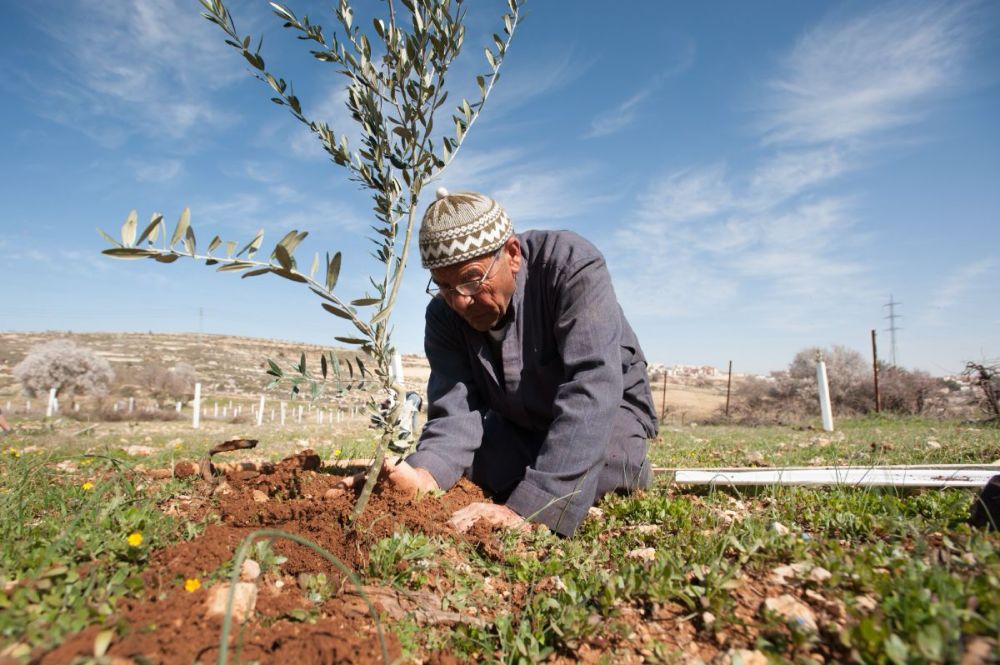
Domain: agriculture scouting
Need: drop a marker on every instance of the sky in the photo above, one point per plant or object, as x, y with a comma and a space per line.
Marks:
761, 177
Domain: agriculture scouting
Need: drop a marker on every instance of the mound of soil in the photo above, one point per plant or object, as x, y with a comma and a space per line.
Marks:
172, 625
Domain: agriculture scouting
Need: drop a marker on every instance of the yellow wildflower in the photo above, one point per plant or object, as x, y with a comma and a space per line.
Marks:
87, 486
192, 584
135, 539
336, 453
86, 462
14, 451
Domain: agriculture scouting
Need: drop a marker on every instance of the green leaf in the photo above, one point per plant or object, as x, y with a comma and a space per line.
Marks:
288, 274
336, 311
332, 271
254, 244
273, 369
189, 241
127, 253
490, 59
315, 266
323, 365
380, 316
232, 267
165, 258
283, 257
230, 248
128, 229
109, 238
216, 241
254, 273
182, 226
366, 302
351, 340
896, 650
151, 230
302, 364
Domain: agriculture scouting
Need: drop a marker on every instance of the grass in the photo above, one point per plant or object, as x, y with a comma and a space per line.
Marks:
893, 577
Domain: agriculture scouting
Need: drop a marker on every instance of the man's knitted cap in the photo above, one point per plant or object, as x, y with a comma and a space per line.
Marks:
461, 226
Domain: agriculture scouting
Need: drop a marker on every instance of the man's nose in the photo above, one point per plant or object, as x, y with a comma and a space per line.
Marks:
459, 302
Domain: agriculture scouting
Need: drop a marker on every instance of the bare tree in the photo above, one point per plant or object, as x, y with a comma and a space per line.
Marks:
63, 365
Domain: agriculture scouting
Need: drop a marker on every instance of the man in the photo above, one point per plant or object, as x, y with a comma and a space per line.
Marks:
538, 389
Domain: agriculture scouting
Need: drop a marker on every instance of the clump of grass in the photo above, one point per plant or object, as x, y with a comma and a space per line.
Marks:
72, 545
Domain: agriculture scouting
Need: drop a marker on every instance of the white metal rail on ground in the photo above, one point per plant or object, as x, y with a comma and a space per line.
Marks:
920, 475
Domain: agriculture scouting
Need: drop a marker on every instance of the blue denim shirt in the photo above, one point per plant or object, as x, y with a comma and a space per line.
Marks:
570, 361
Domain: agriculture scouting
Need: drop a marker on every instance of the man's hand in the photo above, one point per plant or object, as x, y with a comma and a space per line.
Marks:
402, 476
494, 514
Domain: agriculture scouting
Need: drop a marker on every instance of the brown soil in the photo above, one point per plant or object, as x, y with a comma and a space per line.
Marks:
170, 624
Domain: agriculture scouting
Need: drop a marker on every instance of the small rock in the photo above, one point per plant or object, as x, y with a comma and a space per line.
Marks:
820, 574
646, 529
185, 469
595, 512
67, 466
865, 603
793, 611
140, 451
933, 444
259, 497
780, 529
979, 651
744, 657
756, 458
781, 574
642, 554
244, 601
222, 489
707, 618
250, 570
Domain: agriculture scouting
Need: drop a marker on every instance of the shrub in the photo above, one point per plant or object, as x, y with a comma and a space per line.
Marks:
175, 383
63, 365
987, 379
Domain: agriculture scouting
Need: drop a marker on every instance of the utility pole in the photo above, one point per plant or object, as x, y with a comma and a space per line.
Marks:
893, 328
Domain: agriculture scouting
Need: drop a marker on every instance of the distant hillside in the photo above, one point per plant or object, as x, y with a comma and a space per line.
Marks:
225, 364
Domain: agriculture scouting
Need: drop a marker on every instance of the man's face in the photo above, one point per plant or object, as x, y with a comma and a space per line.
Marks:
482, 310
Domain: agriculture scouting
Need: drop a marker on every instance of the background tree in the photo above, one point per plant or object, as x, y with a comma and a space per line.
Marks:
63, 365
395, 78
174, 383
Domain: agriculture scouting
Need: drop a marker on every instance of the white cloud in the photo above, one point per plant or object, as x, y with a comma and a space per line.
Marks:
619, 117
957, 286
849, 79
148, 66
624, 114
770, 237
530, 190
163, 170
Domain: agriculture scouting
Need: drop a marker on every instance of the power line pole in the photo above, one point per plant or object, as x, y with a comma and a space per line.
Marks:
893, 328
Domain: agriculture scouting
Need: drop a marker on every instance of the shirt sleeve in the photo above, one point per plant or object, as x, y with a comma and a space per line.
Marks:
562, 484
454, 429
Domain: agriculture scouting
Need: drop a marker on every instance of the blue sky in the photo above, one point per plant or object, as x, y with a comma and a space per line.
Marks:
760, 176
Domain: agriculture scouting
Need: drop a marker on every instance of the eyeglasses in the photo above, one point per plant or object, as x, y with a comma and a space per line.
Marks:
467, 289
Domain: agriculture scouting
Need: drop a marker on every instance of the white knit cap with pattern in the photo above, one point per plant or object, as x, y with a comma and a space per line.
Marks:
461, 226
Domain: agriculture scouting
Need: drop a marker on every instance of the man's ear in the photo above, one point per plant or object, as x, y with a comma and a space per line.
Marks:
513, 249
